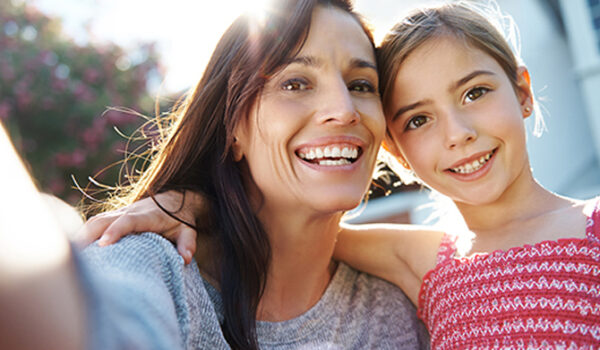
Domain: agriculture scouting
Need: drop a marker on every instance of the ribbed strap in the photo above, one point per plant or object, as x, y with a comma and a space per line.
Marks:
593, 224
447, 248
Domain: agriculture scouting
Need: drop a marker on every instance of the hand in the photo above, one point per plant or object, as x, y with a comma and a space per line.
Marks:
144, 215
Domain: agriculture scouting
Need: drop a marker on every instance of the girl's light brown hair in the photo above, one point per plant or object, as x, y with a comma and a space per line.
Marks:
481, 25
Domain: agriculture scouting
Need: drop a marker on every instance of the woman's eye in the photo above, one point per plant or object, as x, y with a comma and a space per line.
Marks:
476, 93
295, 85
416, 122
361, 86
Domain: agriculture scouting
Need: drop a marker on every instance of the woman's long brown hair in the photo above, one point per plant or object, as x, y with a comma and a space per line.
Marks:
196, 151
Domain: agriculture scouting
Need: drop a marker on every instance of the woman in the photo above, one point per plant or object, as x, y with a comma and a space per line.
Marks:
281, 136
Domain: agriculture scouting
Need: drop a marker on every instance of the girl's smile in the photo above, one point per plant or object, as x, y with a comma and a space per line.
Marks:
459, 127
474, 167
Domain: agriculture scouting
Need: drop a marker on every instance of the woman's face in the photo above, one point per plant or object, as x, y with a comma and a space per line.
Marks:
312, 138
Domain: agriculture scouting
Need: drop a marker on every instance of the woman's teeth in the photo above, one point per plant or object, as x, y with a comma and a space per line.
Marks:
330, 155
474, 165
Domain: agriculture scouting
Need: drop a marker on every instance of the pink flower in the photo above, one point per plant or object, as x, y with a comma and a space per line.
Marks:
5, 110
56, 186
91, 75
82, 92
58, 85
70, 160
120, 118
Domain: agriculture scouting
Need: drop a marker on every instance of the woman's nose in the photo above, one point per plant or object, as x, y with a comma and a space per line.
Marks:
338, 106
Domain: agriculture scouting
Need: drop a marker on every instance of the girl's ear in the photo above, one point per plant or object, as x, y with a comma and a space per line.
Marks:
389, 145
524, 94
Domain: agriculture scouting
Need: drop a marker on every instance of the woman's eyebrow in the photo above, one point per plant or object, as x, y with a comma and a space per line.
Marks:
311, 61
360, 63
469, 77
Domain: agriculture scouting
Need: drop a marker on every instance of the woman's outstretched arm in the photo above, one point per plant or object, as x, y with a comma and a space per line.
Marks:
41, 300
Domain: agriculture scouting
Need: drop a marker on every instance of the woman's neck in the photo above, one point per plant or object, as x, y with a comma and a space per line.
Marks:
301, 266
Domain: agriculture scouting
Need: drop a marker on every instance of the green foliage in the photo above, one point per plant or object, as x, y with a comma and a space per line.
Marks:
55, 98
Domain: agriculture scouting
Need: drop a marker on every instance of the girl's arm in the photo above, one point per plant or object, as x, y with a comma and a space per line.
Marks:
145, 216
401, 254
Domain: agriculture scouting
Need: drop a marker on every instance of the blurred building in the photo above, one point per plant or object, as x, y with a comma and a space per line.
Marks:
561, 46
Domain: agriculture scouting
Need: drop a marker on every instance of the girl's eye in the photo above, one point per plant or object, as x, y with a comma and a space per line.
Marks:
361, 86
295, 85
476, 93
416, 122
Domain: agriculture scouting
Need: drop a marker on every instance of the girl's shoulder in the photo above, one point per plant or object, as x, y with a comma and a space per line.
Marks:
591, 208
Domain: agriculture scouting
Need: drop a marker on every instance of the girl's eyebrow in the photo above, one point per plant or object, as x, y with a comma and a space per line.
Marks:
452, 87
469, 77
409, 107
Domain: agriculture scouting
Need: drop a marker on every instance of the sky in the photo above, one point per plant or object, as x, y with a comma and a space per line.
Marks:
185, 31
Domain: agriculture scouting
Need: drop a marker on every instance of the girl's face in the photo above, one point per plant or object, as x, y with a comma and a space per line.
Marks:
457, 121
313, 135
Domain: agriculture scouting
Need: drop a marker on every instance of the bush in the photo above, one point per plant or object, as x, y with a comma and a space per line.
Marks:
55, 98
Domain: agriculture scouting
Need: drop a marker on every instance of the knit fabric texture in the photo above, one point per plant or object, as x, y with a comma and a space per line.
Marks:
141, 296
541, 296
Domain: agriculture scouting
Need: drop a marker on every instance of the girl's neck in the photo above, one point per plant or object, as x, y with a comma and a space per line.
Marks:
301, 266
524, 199
526, 213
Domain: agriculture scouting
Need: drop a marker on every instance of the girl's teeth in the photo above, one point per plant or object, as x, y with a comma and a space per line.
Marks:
473, 166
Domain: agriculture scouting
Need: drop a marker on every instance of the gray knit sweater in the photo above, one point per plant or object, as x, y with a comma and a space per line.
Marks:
142, 296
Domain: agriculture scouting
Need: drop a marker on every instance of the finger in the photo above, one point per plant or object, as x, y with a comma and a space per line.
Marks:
125, 224
92, 230
129, 223
186, 243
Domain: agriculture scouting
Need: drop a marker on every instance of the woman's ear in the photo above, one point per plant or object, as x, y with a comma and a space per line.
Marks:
389, 145
236, 148
524, 92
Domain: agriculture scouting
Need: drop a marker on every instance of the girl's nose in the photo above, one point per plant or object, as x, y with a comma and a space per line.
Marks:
459, 130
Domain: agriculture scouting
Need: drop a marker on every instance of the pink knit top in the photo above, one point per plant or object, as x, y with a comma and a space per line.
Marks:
542, 296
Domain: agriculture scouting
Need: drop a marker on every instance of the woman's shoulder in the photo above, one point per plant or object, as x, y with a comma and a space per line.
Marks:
140, 285
143, 250
364, 287
369, 302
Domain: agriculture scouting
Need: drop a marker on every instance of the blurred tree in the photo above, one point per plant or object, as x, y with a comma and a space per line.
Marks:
56, 98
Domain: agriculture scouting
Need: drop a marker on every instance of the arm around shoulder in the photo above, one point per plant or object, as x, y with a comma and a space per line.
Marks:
401, 254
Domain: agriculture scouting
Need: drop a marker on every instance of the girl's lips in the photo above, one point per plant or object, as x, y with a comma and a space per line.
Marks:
469, 160
474, 167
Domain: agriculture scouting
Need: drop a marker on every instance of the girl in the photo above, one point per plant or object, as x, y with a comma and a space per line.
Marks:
455, 99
